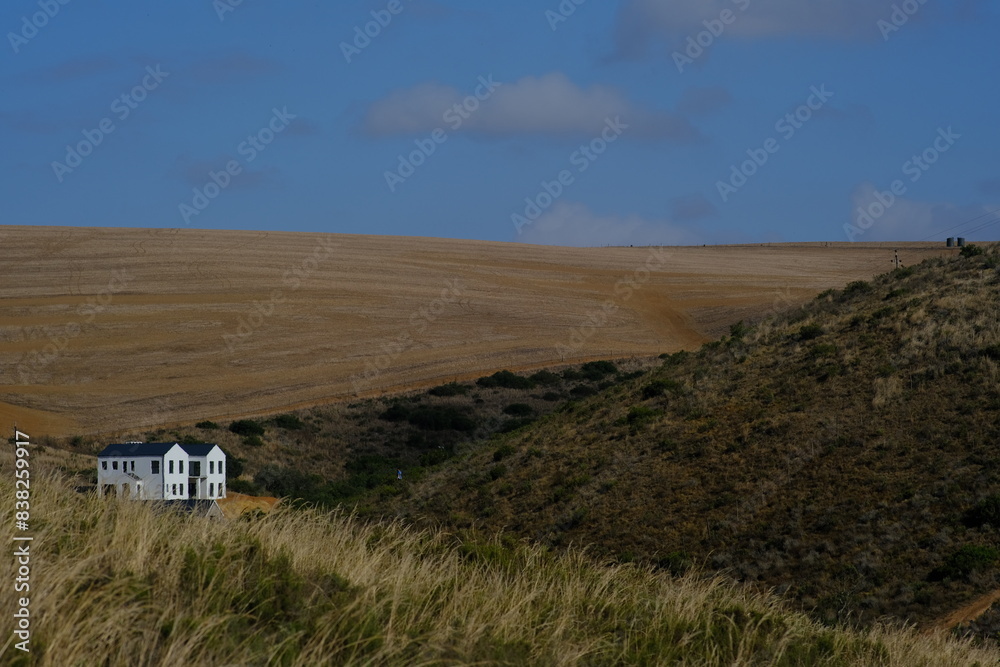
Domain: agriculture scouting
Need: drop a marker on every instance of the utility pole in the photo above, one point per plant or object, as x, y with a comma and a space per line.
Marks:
896, 260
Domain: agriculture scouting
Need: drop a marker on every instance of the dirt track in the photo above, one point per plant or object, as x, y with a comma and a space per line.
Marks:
107, 330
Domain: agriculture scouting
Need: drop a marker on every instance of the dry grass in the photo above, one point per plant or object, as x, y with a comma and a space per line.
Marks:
831, 453
154, 307
117, 583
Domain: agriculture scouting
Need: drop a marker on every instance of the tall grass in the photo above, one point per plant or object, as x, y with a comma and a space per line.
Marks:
122, 583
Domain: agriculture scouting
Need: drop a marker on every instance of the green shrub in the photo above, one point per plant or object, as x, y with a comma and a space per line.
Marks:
661, 387
857, 287
207, 425
242, 486
640, 414
551, 396
253, 441
823, 350
582, 391
810, 331
289, 422
246, 427
518, 410
514, 424
397, 412
503, 452
596, 370
441, 418
545, 378
450, 389
986, 511
738, 331
971, 250
965, 561
505, 379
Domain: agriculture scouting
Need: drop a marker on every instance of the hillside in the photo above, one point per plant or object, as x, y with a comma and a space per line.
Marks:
844, 453
122, 583
111, 330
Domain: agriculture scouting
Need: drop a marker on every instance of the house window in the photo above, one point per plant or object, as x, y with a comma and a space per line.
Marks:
222, 467
196, 468
180, 464
114, 465
171, 467
133, 466
211, 467
174, 489
104, 465
211, 490
154, 467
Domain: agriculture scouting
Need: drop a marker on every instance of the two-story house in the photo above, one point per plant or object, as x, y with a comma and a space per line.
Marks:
162, 471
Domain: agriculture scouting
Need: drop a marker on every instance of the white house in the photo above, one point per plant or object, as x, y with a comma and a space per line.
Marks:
162, 471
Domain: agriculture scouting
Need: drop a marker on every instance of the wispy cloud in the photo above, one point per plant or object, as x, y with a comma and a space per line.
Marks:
574, 224
547, 105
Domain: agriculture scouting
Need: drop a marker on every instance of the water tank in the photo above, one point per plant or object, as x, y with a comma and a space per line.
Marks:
951, 241
961, 242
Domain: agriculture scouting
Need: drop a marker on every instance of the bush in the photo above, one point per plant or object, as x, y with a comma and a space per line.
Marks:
582, 391
289, 422
441, 418
810, 331
986, 511
857, 287
738, 331
234, 465
660, 387
514, 424
551, 396
964, 562
503, 452
242, 486
397, 412
253, 441
596, 370
971, 250
450, 389
518, 410
207, 425
546, 378
640, 414
246, 427
505, 379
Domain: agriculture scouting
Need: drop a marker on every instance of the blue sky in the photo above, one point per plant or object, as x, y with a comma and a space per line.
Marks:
629, 122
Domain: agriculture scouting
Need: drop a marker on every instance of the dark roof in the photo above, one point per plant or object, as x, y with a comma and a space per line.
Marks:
153, 449
137, 449
198, 450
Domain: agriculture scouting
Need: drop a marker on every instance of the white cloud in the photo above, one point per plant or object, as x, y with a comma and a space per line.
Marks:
573, 224
643, 21
908, 219
548, 105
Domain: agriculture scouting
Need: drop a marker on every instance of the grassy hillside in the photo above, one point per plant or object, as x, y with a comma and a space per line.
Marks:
845, 453
119, 583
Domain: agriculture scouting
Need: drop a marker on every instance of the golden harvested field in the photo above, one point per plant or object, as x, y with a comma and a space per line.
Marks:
104, 330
